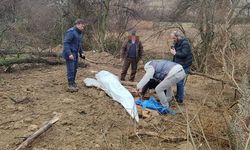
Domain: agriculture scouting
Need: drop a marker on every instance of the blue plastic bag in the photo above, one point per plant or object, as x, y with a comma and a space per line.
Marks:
151, 103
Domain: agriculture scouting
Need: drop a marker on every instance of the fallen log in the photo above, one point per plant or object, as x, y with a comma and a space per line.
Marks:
128, 83
30, 60
34, 53
36, 134
46, 61
4, 52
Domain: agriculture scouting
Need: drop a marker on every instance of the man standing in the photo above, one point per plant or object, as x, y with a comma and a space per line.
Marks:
72, 46
161, 75
182, 55
131, 53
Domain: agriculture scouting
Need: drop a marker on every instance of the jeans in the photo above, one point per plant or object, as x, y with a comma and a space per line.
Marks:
72, 66
180, 87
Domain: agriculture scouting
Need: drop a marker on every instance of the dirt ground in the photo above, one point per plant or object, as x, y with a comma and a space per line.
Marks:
92, 120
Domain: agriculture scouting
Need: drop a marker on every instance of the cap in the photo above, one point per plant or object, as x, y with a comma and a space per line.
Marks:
133, 33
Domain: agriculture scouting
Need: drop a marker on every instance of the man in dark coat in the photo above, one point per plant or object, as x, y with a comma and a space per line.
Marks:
182, 55
131, 53
73, 44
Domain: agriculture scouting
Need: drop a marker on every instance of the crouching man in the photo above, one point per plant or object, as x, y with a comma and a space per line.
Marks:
161, 75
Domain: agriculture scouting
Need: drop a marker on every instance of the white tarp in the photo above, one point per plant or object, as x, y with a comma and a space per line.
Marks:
112, 86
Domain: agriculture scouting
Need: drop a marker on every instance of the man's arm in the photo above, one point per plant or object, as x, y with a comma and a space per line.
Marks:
66, 42
148, 75
123, 50
81, 50
184, 52
140, 53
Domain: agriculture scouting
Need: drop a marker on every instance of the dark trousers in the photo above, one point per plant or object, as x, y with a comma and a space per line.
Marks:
180, 93
72, 66
126, 64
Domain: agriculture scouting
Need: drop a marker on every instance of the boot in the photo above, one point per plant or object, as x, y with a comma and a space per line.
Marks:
75, 86
72, 89
122, 79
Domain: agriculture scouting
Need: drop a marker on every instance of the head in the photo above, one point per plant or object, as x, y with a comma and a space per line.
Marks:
176, 36
133, 35
80, 24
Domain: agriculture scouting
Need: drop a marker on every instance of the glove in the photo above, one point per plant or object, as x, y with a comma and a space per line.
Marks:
82, 56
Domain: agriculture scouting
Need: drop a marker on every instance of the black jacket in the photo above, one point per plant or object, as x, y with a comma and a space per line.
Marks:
183, 54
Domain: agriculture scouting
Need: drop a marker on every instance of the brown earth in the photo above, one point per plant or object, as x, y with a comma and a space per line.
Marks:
92, 120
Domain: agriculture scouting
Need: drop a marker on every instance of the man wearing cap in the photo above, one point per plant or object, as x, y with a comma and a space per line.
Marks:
131, 53
73, 44
161, 75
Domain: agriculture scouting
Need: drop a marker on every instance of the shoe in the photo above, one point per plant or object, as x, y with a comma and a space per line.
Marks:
75, 86
179, 101
72, 89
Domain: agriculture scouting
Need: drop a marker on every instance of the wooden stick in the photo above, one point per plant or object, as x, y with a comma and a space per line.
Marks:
128, 83
22, 101
144, 113
102, 63
206, 75
164, 138
36, 134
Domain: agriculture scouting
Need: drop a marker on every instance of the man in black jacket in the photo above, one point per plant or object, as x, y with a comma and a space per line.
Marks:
182, 55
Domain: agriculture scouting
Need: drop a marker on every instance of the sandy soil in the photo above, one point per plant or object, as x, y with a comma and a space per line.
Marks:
92, 120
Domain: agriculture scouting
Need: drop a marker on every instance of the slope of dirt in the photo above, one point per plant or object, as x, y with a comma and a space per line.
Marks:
91, 120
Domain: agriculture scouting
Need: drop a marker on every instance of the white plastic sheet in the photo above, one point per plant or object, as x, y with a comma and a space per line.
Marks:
112, 86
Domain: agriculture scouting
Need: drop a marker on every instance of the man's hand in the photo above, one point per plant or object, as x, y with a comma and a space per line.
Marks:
71, 57
82, 56
138, 92
173, 51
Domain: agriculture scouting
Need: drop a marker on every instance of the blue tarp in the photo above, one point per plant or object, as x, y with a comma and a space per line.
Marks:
151, 103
